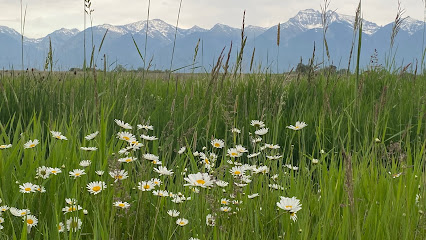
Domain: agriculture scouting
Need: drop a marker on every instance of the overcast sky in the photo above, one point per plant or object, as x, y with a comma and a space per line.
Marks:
45, 16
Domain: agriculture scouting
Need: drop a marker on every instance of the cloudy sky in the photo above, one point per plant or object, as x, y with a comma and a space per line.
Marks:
45, 16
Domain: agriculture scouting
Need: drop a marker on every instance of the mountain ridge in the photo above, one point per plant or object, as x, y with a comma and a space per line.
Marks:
298, 33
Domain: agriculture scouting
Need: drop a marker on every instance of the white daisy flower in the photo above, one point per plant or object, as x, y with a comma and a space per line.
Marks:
299, 125
274, 157
210, 220
149, 138
224, 201
218, 143
119, 174
146, 127
126, 136
121, 204
31, 143
43, 172
237, 171
5, 146
19, 212
181, 150
27, 188
160, 193
71, 201
54, 171
73, 224
272, 146
91, 136
151, 157
233, 152
199, 180
4, 208
31, 220
253, 155
72, 208
146, 186
236, 130
156, 181
261, 131
85, 163
100, 172
261, 169
61, 227
58, 135
77, 173
123, 124
163, 171
173, 213
253, 195
127, 159
257, 123
292, 205
182, 222
241, 149
276, 186
96, 187
225, 209
315, 161
89, 148
221, 183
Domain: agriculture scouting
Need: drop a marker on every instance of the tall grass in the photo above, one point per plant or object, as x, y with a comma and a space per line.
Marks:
360, 200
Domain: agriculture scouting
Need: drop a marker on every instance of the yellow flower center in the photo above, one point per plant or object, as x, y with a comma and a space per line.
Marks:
121, 205
292, 214
119, 177
32, 145
96, 188
237, 172
217, 145
289, 206
128, 160
182, 223
225, 209
77, 174
207, 160
146, 186
126, 138
234, 154
30, 221
297, 127
224, 202
53, 171
27, 189
201, 181
59, 227
2, 146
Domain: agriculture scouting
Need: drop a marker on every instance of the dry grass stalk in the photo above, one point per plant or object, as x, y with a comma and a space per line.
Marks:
325, 21
357, 23
278, 35
349, 188
397, 23
252, 58
226, 66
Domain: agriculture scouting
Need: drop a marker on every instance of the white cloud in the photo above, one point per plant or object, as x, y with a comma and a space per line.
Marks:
45, 16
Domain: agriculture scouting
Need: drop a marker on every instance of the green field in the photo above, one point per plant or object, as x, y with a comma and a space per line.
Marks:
360, 160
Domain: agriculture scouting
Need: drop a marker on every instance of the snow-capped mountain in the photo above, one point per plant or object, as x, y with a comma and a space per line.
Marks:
297, 38
312, 19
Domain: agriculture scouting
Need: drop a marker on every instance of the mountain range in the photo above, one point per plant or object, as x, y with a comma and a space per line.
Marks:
297, 37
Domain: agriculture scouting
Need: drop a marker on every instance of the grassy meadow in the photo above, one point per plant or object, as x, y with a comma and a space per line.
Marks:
358, 167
